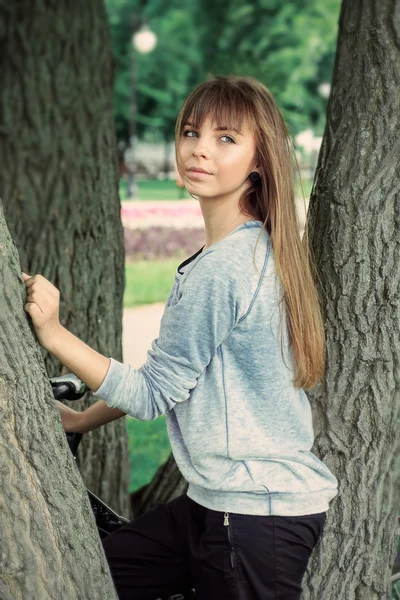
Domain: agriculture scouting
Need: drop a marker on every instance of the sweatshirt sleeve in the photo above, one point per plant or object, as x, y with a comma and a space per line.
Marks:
191, 330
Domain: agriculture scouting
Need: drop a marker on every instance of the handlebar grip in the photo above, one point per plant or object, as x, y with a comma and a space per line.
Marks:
68, 387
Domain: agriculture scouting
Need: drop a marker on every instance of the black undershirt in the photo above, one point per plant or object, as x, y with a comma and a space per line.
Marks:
188, 260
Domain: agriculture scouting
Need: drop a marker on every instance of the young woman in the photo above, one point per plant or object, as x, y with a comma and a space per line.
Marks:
229, 369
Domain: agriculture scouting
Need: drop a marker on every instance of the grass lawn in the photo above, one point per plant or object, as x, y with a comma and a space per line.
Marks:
155, 189
148, 281
149, 447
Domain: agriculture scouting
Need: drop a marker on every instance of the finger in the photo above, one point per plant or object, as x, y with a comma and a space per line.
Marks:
26, 278
40, 283
32, 308
38, 292
39, 300
43, 298
44, 284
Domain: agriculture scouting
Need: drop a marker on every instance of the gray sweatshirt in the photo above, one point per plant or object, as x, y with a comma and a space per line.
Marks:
240, 432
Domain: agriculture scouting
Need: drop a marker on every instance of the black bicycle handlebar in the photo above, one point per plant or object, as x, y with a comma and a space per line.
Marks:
69, 387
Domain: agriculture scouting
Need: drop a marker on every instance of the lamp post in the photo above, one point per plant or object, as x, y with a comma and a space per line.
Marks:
144, 41
324, 89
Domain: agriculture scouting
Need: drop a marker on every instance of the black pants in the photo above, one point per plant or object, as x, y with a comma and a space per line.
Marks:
180, 544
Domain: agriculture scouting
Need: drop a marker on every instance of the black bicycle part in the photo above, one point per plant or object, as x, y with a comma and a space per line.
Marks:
69, 387
107, 519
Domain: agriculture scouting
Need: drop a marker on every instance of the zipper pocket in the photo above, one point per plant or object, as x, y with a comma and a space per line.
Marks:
226, 524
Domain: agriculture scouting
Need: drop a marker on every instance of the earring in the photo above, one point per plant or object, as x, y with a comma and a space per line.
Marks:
254, 176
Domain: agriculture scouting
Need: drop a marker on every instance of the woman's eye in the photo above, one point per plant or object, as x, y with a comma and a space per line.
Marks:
187, 131
228, 137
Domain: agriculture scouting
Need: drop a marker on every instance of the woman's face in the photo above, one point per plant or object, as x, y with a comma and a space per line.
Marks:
226, 154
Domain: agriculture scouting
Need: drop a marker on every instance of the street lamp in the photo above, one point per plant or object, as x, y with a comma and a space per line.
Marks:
144, 41
324, 89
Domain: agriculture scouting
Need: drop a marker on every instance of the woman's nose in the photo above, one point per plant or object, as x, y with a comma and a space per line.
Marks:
196, 153
200, 149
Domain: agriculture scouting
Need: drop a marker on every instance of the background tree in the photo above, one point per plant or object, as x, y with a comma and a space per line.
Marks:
354, 223
289, 46
59, 186
50, 547
164, 76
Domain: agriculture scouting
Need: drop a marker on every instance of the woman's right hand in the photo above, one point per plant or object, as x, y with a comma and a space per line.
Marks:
72, 420
43, 302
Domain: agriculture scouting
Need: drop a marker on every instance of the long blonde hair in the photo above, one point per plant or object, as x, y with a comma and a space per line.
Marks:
232, 100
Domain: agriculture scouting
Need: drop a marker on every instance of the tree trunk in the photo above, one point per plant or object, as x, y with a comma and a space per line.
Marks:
50, 547
59, 187
354, 222
167, 483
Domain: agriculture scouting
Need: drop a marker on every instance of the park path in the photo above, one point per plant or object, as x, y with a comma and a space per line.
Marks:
141, 325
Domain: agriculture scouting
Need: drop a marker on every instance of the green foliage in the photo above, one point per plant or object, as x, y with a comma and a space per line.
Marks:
289, 46
120, 21
162, 77
166, 75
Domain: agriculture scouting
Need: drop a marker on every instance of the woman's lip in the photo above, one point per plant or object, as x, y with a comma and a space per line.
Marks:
194, 172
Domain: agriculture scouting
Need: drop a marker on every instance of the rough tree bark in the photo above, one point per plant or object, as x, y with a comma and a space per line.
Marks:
49, 543
354, 221
58, 183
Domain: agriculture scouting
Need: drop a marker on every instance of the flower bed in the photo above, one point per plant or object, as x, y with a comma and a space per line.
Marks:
184, 214
162, 242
